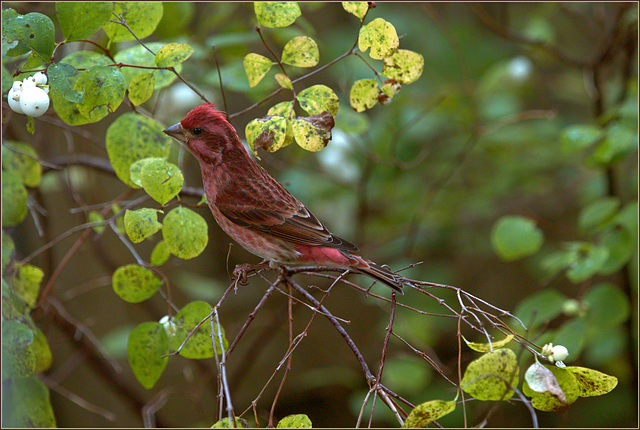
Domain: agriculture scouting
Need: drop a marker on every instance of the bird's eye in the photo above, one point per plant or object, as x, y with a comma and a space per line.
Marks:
196, 130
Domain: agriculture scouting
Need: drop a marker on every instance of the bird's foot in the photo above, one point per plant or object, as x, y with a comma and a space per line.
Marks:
242, 271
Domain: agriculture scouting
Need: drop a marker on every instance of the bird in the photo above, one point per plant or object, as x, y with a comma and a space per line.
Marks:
255, 210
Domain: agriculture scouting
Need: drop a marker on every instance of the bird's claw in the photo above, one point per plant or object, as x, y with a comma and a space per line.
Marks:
241, 271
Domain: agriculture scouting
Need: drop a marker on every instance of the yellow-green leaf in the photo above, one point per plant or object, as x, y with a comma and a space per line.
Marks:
14, 199
299, 421
269, 133
427, 412
357, 8
549, 402
22, 160
147, 344
27, 283
364, 94
284, 109
199, 344
301, 51
317, 99
160, 254
488, 377
141, 223
404, 66
133, 137
185, 232
381, 37
591, 382
172, 54
138, 55
29, 404
141, 17
485, 347
284, 81
134, 284
141, 88
79, 20
256, 66
314, 132
161, 180
276, 14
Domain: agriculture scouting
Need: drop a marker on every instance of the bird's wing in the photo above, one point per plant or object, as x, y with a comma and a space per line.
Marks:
270, 209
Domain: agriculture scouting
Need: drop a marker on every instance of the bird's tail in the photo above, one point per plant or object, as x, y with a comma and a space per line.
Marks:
382, 275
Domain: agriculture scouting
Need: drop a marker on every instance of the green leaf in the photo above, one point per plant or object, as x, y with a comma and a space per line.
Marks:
381, 37
404, 66
172, 54
591, 382
364, 94
41, 350
597, 215
572, 335
607, 306
133, 137
301, 51
14, 199
589, 260
18, 358
139, 56
314, 132
35, 30
160, 254
427, 412
549, 402
540, 308
276, 14
134, 284
317, 99
256, 67
141, 223
486, 378
620, 141
79, 20
515, 237
578, 137
22, 160
104, 89
26, 404
299, 421
27, 284
185, 233
161, 180
141, 88
12, 306
199, 344
357, 8
59, 75
147, 344
141, 17
621, 246
269, 133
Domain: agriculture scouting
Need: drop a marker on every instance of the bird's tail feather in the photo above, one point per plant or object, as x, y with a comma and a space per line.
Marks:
384, 276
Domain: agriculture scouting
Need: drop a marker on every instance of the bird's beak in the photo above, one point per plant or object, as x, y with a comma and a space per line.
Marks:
177, 132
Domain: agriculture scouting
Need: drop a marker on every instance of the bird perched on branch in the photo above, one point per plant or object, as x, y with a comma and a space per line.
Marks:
255, 209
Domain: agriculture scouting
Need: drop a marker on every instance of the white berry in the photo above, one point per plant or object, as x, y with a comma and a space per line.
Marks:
29, 82
40, 78
34, 101
558, 353
17, 86
13, 103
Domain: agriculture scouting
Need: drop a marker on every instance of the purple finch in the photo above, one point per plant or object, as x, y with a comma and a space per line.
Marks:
257, 211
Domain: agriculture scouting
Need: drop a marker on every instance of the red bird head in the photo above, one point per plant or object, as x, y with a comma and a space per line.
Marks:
206, 133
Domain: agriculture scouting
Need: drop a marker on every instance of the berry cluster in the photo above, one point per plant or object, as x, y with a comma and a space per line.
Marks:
30, 96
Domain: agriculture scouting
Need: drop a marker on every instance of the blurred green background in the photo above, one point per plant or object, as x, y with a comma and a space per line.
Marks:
482, 134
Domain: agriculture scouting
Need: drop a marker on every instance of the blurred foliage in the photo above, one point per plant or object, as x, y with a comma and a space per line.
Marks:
509, 168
